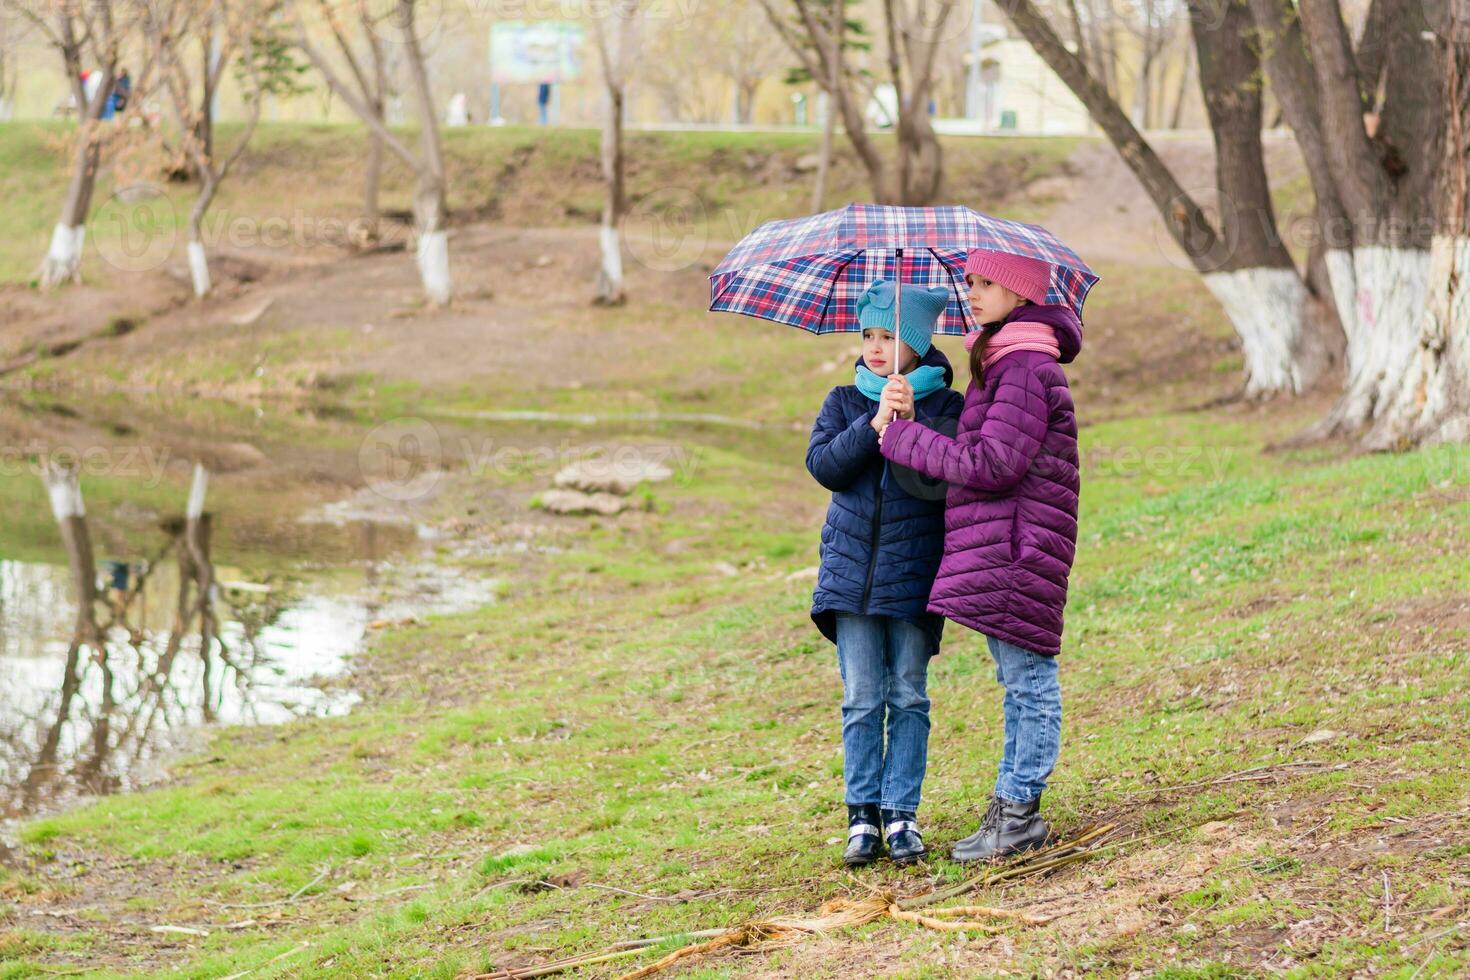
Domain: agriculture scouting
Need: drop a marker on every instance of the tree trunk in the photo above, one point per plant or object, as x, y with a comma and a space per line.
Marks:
745, 101
64, 489
1430, 400
198, 258
813, 46
429, 208
432, 250
372, 212
924, 166
1183, 217
196, 541
1185, 71
920, 161
1257, 283
432, 243
1243, 263
1380, 271
824, 157
63, 262
615, 52
829, 121
610, 270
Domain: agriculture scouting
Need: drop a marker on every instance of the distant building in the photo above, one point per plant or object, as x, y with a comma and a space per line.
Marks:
1017, 92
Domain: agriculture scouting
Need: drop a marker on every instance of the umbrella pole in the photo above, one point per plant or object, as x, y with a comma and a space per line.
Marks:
897, 309
897, 340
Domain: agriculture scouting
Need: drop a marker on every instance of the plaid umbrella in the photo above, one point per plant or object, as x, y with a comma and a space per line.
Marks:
809, 272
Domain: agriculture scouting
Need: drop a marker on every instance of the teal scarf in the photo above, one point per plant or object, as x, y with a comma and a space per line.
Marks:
925, 381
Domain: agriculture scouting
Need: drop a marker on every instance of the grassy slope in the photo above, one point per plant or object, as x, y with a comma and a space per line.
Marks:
635, 717
294, 174
653, 725
663, 729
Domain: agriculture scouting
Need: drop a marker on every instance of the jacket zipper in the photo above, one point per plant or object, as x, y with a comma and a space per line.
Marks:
873, 547
877, 527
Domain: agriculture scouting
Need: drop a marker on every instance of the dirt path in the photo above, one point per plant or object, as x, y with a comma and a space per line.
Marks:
1106, 216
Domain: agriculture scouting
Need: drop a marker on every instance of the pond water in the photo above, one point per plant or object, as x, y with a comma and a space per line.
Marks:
279, 649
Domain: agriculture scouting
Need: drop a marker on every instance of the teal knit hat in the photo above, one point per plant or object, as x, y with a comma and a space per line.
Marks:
922, 306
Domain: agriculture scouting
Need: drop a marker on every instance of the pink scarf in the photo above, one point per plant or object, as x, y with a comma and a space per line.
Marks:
1014, 336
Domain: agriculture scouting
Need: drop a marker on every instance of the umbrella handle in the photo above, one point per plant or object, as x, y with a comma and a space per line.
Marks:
897, 309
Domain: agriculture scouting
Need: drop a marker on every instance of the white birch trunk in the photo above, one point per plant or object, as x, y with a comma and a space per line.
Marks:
64, 258
1428, 400
433, 260
1265, 305
198, 268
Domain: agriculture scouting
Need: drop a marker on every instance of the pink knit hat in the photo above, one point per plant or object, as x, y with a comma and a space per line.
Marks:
1025, 277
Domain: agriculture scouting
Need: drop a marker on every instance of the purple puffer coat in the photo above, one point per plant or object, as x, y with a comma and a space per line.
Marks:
1010, 518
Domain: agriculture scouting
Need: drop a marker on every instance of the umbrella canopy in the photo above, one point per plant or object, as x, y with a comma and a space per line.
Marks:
809, 272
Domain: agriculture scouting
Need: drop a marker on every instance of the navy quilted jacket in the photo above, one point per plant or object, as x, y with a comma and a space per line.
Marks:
882, 541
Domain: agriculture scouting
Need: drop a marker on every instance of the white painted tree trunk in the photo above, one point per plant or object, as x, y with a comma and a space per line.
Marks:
433, 260
198, 488
1380, 293
6, 110
199, 268
63, 261
1265, 305
1429, 399
64, 488
610, 276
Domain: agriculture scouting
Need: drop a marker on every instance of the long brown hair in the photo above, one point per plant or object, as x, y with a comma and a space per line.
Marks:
977, 353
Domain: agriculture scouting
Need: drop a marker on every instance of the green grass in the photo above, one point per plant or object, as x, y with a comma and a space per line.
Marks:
656, 727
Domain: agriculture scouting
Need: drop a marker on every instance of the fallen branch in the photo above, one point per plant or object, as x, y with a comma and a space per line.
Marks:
1252, 775
843, 913
1080, 848
279, 901
273, 959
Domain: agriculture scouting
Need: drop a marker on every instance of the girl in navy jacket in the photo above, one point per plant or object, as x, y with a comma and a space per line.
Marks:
881, 545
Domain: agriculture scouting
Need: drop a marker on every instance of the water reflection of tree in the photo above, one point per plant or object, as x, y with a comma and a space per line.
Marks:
92, 743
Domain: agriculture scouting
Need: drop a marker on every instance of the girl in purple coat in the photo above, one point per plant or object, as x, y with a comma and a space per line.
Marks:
1010, 521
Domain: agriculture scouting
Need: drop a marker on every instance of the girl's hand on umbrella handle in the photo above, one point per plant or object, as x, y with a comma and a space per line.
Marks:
900, 397
882, 417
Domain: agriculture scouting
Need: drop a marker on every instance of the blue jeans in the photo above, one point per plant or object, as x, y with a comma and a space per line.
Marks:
885, 670
1033, 713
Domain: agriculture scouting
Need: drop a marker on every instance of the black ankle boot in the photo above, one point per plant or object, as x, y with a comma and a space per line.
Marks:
1007, 828
901, 830
864, 839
